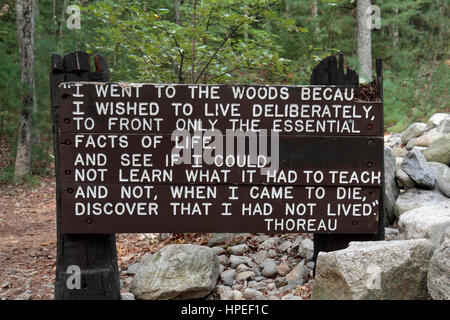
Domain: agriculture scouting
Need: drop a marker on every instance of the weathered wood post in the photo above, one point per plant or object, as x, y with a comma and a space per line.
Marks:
329, 72
94, 254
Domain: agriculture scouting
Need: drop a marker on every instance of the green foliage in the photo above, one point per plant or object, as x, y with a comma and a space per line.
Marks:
215, 41
228, 41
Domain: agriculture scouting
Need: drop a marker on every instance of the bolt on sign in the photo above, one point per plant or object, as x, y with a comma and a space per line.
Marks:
137, 157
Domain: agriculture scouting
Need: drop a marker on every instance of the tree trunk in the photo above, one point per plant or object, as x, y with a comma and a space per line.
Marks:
395, 27
176, 5
315, 14
364, 40
25, 31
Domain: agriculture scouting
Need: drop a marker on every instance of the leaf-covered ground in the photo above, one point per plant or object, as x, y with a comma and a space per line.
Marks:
28, 241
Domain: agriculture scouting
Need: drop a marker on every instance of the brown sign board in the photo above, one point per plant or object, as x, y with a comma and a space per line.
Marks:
218, 158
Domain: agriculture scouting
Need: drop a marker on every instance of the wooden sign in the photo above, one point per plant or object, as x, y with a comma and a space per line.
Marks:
218, 158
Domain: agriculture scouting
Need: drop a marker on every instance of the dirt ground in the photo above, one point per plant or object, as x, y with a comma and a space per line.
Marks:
28, 241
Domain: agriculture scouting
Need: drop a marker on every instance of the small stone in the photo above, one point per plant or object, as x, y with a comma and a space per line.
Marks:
238, 286
242, 267
269, 243
218, 250
269, 268
260, 256
390, 234
246, 275
271, 286
227, 276
400, 152
414, 130
220, 238
237, 260
272, 253
239, 249
283, 269
416, 167
237, 295
410, 144
280, 281
297, 275
225, 292
403, 178
310, 265
258, 285
250, 293
284, 246
261, 238
127, 296
272, 297
306, 249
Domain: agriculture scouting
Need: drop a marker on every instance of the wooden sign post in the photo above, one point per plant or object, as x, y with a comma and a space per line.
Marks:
137, 157
94, 254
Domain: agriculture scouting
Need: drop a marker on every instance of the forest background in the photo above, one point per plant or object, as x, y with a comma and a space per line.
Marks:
213, 41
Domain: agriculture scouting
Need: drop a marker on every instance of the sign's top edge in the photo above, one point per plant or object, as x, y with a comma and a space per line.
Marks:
194, 84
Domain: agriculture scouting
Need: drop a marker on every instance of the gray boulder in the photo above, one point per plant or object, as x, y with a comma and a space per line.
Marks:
414, 130
439, 271
442, 174
436, 120
391, 190
426, 139
439, 150
425, 222
181, 271
374, 270
404, 179
415, 198
444, 126
416, 167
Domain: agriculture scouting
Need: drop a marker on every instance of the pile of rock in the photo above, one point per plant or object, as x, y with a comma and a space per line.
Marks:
417, 191
414, 262
232, 267
416, 166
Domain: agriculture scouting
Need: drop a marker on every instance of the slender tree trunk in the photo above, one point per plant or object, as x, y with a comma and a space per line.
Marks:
395, 27
194, 24
63, 17
176, 5
315, 14
364, 40
25, 27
